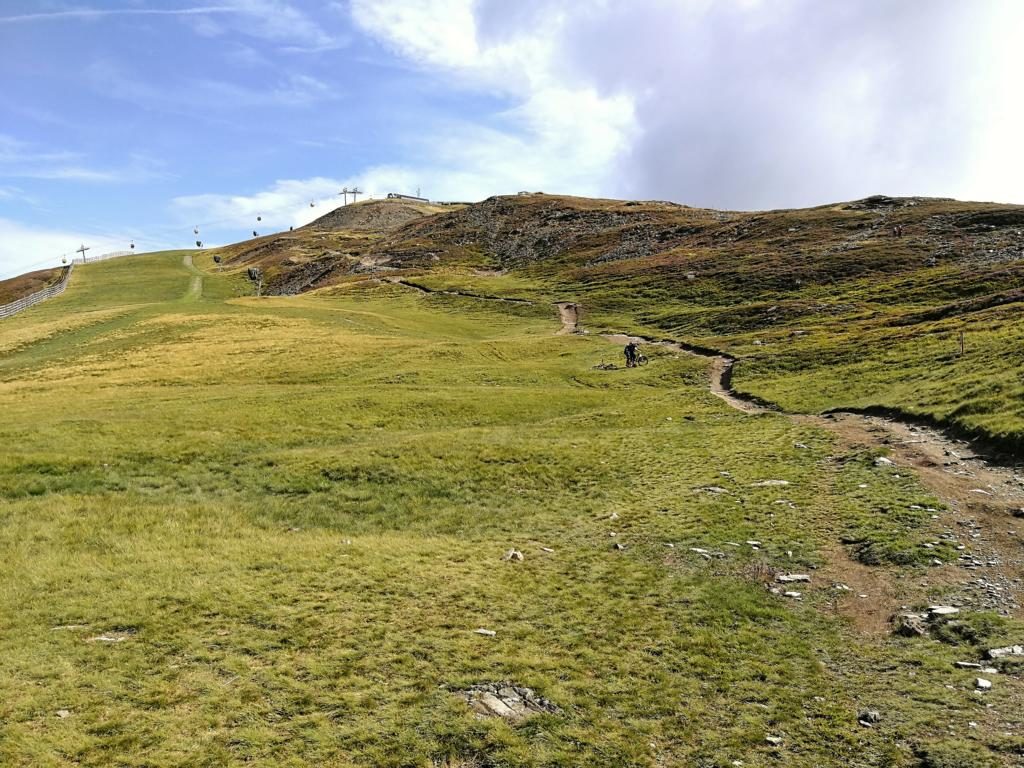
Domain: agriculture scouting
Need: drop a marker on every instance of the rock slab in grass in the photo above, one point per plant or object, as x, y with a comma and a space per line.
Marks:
506, 700
790, 578
909, 625
1009, 650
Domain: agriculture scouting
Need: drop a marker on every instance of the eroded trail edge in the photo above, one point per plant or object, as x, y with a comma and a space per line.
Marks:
984, 494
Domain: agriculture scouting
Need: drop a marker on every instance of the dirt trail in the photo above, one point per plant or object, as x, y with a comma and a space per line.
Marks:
464, 294
195, 286
985, 496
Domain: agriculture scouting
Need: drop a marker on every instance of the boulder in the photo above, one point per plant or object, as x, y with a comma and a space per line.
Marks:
909, 625
1009, 650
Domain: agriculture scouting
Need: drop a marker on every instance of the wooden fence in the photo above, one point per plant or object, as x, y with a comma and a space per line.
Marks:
48, 292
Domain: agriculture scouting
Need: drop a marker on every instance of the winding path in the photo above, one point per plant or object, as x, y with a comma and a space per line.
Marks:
984, 493
985, 497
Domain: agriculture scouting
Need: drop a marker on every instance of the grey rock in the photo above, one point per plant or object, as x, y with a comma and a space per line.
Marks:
909, 625
1009, 650
869, 717
506, 700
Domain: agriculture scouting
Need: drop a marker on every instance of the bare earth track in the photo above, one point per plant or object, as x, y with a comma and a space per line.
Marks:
985, 497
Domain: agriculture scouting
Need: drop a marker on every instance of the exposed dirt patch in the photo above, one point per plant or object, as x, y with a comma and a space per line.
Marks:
985, 496
568, 313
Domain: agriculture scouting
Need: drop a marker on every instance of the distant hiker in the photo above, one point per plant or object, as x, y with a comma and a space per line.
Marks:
631, 351
899, 229
895, 231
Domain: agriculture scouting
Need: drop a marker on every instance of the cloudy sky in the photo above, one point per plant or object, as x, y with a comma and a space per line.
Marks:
136, 120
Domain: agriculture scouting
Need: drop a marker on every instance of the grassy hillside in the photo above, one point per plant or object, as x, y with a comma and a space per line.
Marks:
264, 531
825, 307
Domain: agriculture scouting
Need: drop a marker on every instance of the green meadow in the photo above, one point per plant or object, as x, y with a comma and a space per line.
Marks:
241, 531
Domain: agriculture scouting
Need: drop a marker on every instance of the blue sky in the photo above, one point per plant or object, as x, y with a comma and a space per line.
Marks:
136, 119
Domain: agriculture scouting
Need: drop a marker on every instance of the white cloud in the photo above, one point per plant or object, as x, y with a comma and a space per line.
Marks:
560, 134
276, 21
206, 96
738, 103
22, 160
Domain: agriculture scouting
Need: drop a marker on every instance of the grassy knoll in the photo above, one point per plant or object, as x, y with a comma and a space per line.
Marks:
263, 531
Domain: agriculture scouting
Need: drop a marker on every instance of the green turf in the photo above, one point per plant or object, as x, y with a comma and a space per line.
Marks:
292, 513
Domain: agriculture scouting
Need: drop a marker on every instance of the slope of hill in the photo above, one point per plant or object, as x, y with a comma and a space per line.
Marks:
18, 287
825, 307
375, 525
337, 243
376, 215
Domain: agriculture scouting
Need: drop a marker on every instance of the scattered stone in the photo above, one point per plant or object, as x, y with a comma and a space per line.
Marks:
613, 516
981, 491
1009, 650
775, 741
112, 637
909, 625
485, 632
513, 556
802, 446
618, 547
753, 543
549, 550
506, 700
966, 665
938, 611
982, 684
881, 461
842, 587
989, 671
670, 545
769, 483
62, 713
794, 595
790, 578
713, 489
869, 717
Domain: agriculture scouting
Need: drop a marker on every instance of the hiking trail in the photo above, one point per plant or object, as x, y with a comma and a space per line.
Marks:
984, 492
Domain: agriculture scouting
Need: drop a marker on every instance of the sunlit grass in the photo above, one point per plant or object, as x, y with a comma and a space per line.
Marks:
287, 516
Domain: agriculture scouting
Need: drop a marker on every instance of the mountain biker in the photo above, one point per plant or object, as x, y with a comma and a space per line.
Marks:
631, 351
